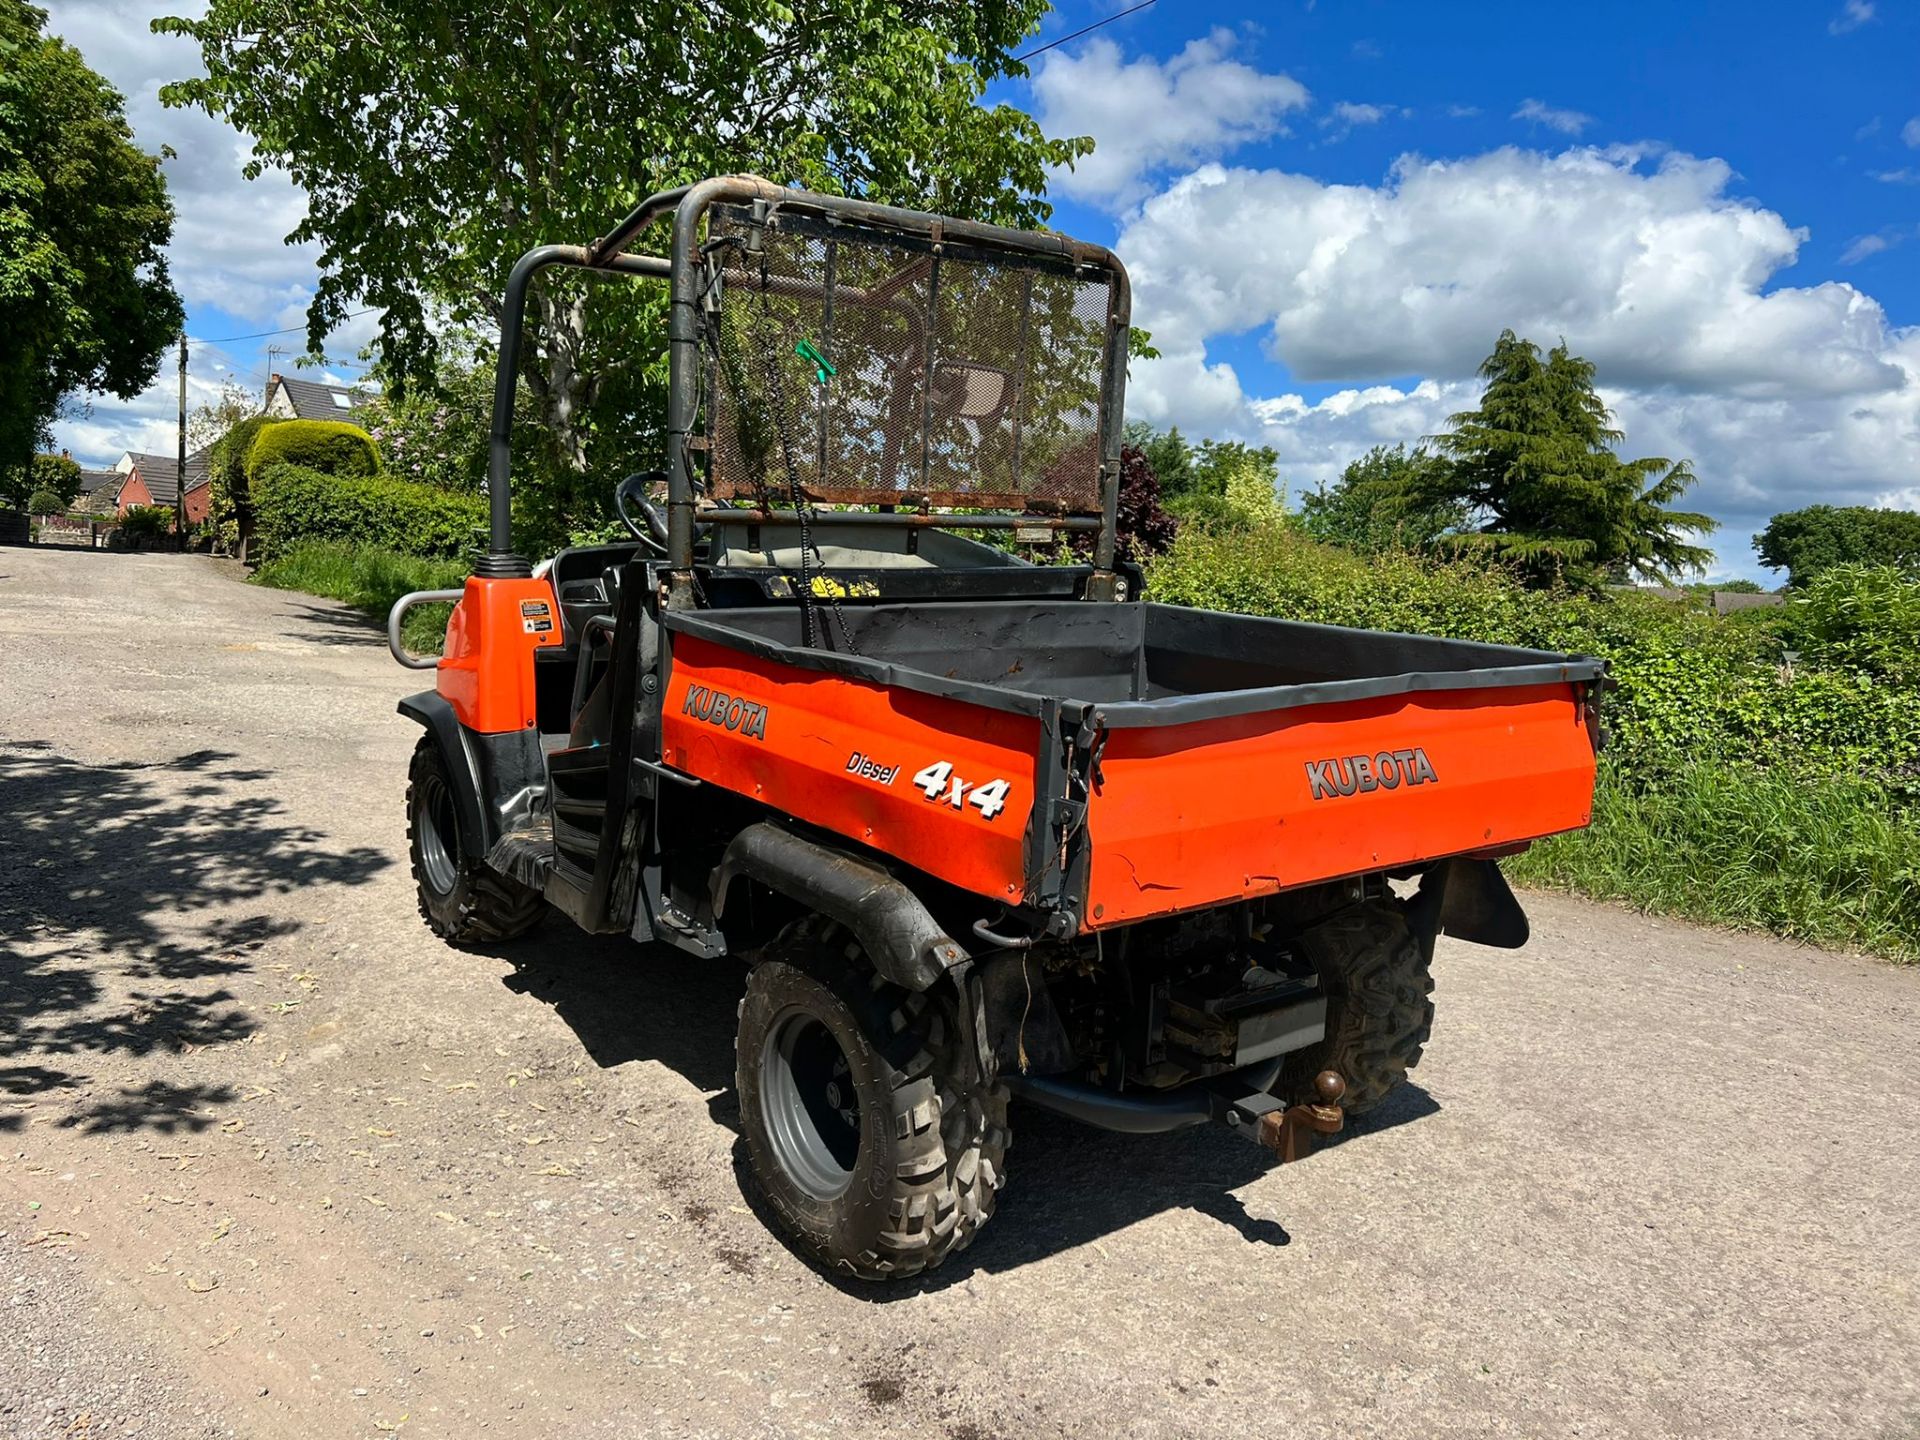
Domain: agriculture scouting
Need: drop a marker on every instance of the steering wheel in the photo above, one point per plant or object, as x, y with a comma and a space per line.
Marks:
633, 490
653, 534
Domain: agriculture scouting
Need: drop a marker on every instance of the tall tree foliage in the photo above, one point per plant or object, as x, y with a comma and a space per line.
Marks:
1217, 483
1391, 498
437, 143
85, 302
1807, 542
1536, 465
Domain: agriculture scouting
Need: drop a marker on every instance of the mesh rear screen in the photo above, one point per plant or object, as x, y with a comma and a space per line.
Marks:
818, 356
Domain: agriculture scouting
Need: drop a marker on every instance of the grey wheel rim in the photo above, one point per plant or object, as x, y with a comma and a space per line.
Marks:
809, 1106
434, 826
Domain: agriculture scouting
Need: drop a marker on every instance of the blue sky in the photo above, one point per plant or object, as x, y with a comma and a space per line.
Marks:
1331, 209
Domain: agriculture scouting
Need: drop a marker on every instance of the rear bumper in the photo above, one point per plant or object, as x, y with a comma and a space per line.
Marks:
1143, 1112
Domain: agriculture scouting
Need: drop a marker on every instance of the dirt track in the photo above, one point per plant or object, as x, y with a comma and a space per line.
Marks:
274, 1162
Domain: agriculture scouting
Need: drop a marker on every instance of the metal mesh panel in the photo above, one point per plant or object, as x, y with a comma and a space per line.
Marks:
818, 355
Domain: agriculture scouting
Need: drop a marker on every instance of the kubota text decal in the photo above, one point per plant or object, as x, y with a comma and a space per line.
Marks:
729, 712
1388, 770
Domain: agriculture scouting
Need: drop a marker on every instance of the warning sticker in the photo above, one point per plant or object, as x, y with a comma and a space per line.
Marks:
536, 617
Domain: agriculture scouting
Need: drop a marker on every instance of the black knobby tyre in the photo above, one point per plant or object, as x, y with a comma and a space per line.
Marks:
1379, 1011
460, 898
868, 1135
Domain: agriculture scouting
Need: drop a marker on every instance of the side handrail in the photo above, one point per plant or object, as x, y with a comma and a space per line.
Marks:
399, 613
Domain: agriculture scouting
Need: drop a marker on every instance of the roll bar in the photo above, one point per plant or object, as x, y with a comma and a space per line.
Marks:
681, 269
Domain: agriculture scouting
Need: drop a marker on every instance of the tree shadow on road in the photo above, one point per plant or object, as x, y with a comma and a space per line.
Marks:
1072, 1184
110, 879
332, 623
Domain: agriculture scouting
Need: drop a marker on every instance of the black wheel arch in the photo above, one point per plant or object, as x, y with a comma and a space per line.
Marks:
431, 710
900, 936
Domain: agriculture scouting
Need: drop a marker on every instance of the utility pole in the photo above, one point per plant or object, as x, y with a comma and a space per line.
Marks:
180, 475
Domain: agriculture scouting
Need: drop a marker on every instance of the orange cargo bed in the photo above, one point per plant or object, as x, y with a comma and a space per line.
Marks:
1122, 761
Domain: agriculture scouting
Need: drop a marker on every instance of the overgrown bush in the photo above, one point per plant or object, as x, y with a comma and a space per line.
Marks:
332, 447
230, 499
1831, 863
1861, 618
370, 579
1818, 765
295, 504
141, 523
45, 502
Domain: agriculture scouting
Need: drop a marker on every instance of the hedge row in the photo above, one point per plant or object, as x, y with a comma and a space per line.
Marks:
245, 452
1692, 687
296, 503
1736, 788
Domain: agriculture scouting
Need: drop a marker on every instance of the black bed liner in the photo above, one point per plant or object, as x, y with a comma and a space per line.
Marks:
1138, 665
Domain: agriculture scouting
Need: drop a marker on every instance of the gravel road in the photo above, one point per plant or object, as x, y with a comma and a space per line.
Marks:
275, 1162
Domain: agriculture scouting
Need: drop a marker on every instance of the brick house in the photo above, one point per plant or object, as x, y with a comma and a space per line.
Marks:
154, 480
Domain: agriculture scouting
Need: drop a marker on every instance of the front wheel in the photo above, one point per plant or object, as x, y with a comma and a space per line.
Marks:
867, 1130
460, 898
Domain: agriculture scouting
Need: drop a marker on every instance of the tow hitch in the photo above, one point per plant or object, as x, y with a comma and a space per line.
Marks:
1290, 1131
1238, 1101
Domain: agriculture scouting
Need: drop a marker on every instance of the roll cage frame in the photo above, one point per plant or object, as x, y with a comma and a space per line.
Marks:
688, 206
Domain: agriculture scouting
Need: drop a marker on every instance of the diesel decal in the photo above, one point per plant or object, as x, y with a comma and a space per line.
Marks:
1388, 770
869, 769
729, 712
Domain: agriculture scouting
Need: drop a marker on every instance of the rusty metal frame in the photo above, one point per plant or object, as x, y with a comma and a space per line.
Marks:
689, 206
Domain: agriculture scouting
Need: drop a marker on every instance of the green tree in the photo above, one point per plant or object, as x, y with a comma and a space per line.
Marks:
1864, 618
52, 474
1536, 466
1217, 483
85, 303
1167, 454
437, 143
211, 419
1391, 498
1807, 542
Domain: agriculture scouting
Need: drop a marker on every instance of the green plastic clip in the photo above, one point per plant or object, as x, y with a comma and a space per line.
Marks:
823, 370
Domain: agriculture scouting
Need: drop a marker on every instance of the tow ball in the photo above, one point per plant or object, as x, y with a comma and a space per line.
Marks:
1290, 1131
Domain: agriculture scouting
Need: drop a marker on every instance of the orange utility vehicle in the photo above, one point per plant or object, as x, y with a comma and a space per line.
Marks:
977, 827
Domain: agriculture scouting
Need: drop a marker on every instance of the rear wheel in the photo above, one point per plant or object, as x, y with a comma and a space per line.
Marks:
460, 898
867, 1130
1379, 1017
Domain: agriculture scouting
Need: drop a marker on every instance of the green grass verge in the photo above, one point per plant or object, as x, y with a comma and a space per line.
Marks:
370, 579
1824, 859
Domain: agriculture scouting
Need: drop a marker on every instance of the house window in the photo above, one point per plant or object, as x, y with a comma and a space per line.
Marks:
342, 400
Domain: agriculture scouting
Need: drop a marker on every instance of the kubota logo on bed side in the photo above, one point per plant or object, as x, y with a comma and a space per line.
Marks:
729, 712
1388, 770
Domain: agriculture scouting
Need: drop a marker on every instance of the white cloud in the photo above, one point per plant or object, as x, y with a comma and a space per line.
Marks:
228, 247
1147, 115
227, 238
1897, 177
1852, 16
1567, 122
1862, 246
1910, 133
1781, 395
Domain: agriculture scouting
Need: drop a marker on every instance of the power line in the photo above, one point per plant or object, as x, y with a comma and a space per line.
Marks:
1083, 30
301, 329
